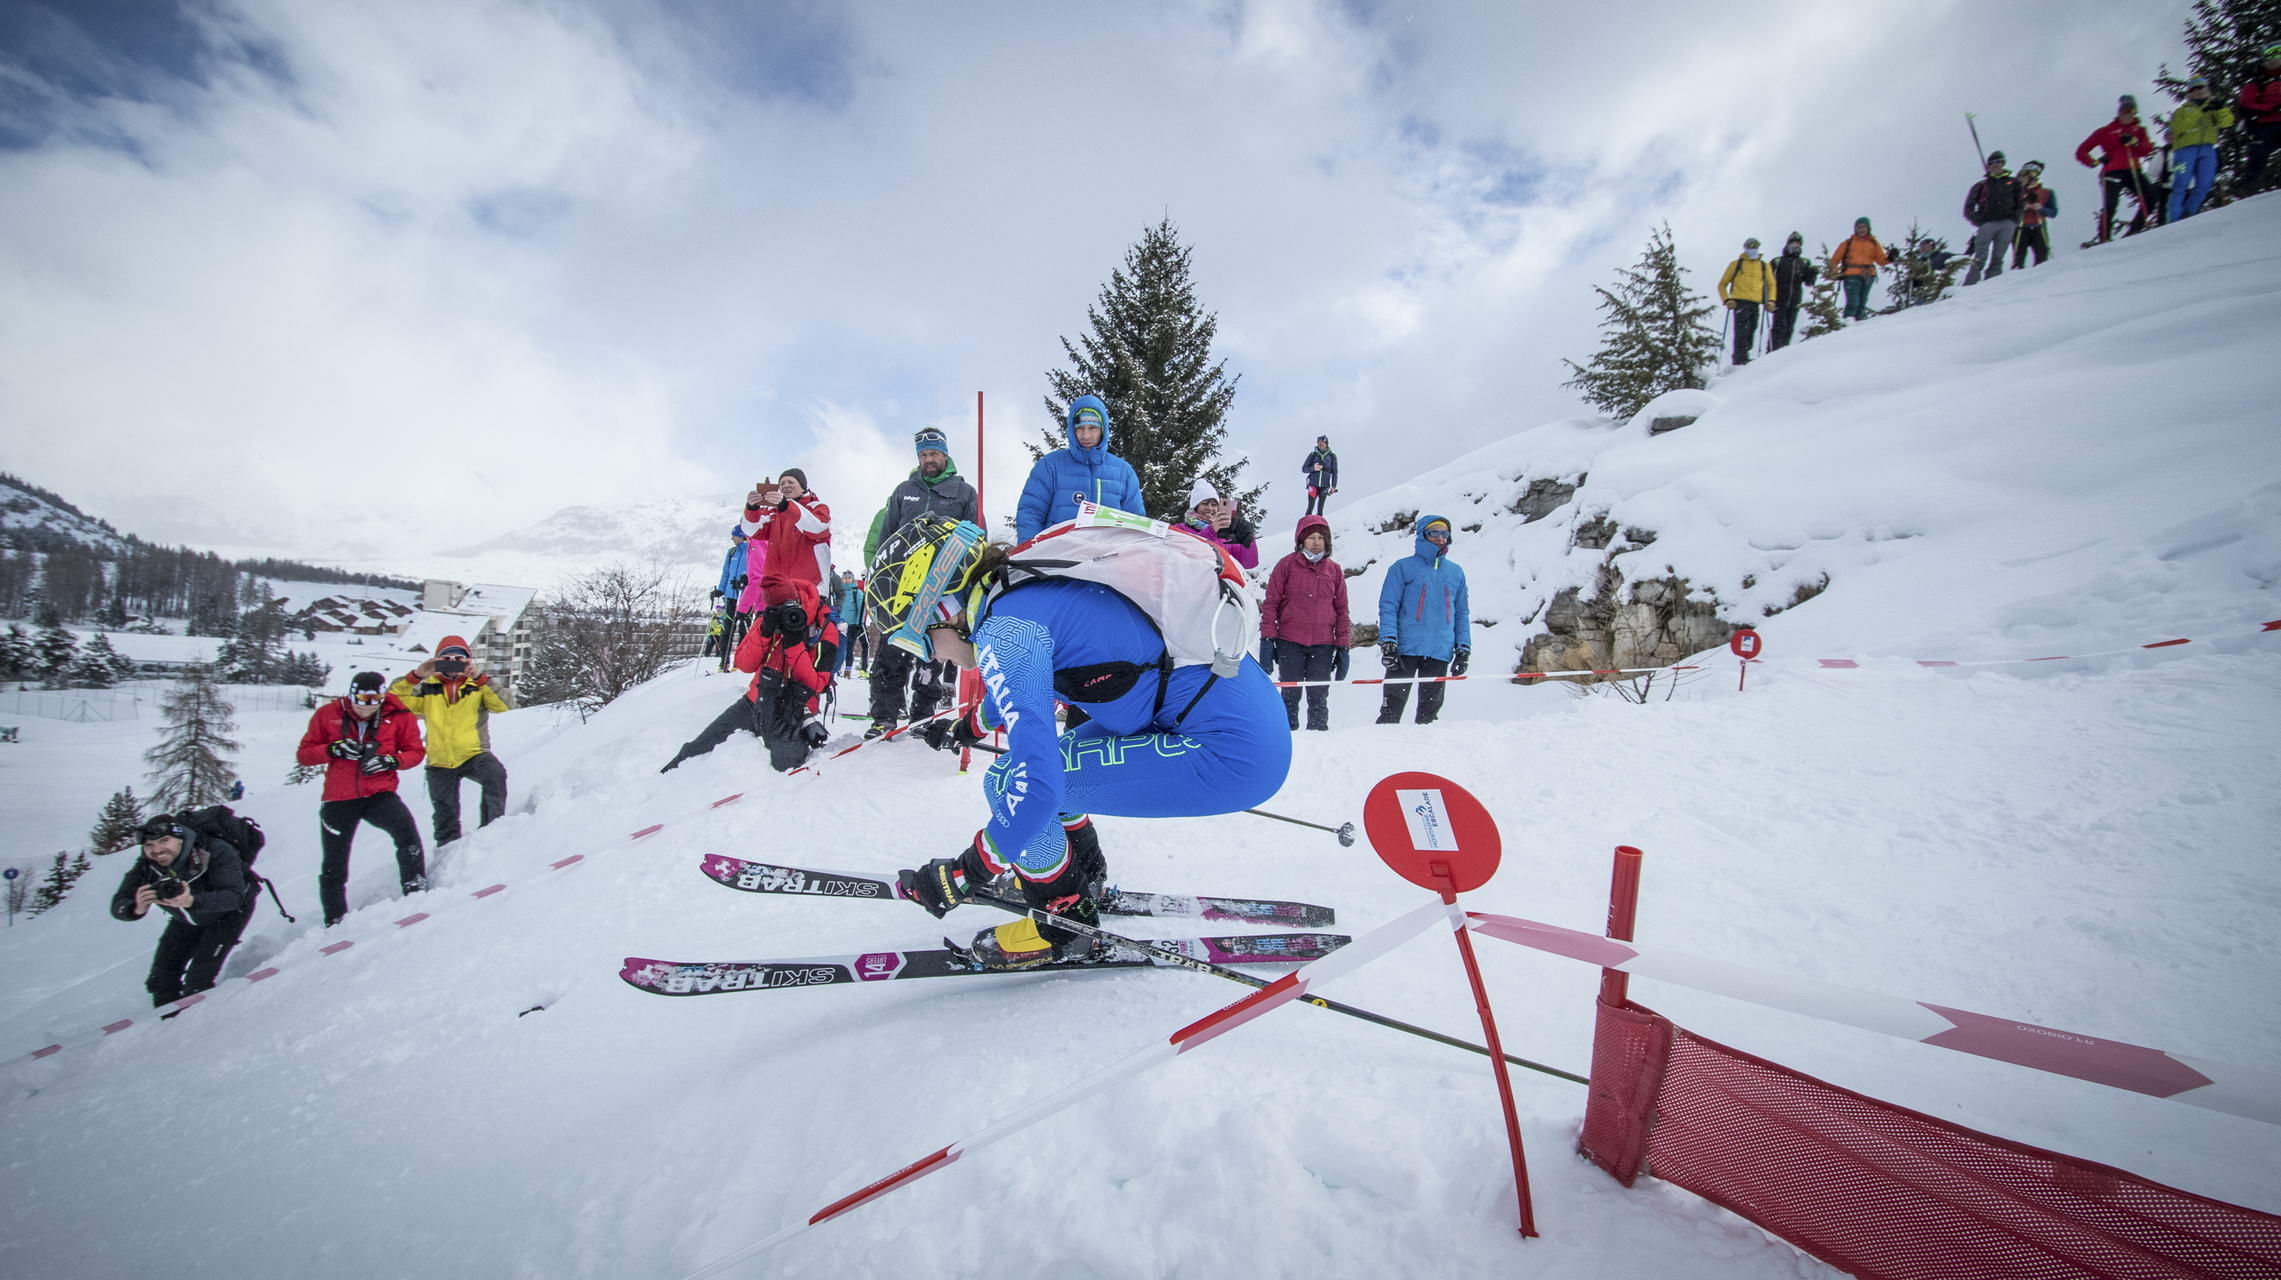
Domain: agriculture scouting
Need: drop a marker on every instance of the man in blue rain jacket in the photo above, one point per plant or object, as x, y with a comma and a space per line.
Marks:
1085, 471
1424, 623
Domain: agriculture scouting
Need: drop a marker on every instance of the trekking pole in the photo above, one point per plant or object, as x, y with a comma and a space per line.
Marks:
1344, 831
1183, 960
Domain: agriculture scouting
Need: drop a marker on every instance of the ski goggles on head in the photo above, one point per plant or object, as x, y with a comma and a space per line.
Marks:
367, 697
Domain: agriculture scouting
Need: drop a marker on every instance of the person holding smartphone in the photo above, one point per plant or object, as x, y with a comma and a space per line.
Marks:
455, 702
796, 527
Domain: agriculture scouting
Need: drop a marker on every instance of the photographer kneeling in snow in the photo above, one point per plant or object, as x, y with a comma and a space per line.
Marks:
792, 651
201, 884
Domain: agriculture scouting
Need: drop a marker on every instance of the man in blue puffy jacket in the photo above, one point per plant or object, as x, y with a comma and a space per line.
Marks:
1425, 627
1085, 471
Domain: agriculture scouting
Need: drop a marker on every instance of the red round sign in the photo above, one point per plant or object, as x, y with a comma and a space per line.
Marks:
1744, 643
1427, 827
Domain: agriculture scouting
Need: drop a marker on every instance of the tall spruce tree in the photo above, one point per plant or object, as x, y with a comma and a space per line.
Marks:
51, 891
19, 660
188, 768
2224, 42
115, 826
1824, 313
55, 650
1147, 352
1655, 340
256, 654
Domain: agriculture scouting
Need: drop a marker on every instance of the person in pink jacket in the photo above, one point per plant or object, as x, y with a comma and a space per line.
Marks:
1303, 622
1214, 519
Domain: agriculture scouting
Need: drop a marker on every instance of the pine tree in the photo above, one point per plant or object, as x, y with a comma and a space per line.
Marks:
51, 890
97, 666
2225, 40
54, 651
1917, 282
1825, 313
256, 653
187, 767
122, 667
18, 659
1655, 340
115, 825
304, 669
1147, 353
80, 866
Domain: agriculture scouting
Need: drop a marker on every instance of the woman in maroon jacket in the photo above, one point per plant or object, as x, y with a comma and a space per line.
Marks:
1303, 622
362, 740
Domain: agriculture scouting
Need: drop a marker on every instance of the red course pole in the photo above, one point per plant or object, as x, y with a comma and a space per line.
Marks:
1623, 905
1448, 887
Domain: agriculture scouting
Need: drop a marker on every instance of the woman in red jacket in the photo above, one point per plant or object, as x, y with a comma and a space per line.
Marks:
796, 528
362, 740
1303, 622
792, 650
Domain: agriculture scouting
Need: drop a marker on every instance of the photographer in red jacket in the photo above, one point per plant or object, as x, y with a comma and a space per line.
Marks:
792, 650
362, 740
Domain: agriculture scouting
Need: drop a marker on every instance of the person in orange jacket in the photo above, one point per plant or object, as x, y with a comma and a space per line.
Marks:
1855, 265
361, 741
2120, 143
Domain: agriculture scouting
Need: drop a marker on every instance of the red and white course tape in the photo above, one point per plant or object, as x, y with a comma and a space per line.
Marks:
2250, 1092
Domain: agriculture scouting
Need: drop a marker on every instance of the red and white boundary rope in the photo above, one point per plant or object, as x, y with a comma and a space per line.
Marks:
2250, 1092
1280, 992
263, 974
1825, 664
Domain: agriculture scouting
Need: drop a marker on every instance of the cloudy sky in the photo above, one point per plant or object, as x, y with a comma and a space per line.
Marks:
367, 280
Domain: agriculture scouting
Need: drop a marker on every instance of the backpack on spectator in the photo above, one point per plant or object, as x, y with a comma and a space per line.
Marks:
245, 835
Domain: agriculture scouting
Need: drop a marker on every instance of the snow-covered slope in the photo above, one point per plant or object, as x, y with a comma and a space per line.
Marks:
2072, 457
2085, 845
36, 520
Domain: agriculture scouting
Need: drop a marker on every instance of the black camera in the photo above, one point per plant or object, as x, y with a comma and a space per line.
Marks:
168, 887
451, 666
787, 619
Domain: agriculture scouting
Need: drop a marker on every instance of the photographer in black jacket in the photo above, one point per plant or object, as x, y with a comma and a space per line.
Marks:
200, 882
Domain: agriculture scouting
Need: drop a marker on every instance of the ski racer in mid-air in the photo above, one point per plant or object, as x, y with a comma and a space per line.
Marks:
1163, 740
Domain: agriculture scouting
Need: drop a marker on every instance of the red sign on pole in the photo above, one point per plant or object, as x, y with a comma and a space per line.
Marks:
1744, 644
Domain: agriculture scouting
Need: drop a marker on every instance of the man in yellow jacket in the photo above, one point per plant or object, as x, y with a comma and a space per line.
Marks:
455, 704
2193, 136
1747, 285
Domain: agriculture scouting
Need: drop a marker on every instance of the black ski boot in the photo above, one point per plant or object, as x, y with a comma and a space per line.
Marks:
1075, 894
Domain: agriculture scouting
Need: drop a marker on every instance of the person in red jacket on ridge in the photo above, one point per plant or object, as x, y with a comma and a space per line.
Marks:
797, 528
792, 650
2121, 143
362, 740
2260, 101
1303, 621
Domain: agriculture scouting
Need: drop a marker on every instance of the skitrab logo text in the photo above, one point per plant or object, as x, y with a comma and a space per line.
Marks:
1427, 816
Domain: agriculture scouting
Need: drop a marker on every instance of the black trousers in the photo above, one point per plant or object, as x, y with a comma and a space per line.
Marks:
2260, 139
786, 751
1317, 499
893, 669
1746, 332
1295, 661
1785, 321
338, 819
189, 956
855, 649
732, 631
1398, 695
2036, 240
485, 771
2116, 183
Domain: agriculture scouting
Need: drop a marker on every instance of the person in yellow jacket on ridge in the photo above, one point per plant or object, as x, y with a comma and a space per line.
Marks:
455, 704
2193, 137
1747, 285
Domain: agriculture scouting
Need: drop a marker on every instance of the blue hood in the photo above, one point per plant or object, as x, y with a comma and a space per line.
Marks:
1091, 457
1424, 549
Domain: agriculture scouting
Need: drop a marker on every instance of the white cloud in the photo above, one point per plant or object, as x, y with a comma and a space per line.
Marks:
471, 262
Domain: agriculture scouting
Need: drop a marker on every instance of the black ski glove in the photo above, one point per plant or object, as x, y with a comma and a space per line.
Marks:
346, 749
1388, 651
1338, 664
376, 764
944, 883
814, 733
954, 734
1458, 664
1267, 654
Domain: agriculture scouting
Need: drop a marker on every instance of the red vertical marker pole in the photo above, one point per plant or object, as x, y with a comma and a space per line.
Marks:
1623, 907
970, 682
1434, 834
1744, 644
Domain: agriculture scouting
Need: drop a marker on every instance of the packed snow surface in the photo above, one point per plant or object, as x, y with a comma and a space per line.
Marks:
2065, 460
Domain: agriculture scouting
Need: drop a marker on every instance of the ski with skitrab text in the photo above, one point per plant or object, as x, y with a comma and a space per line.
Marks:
773, 877
717, 977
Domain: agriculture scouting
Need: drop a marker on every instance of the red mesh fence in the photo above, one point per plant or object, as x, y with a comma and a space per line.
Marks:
1884, 1192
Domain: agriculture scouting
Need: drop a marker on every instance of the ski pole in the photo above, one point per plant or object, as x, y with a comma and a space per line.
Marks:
1977, 149
1183, 960
1344, 831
